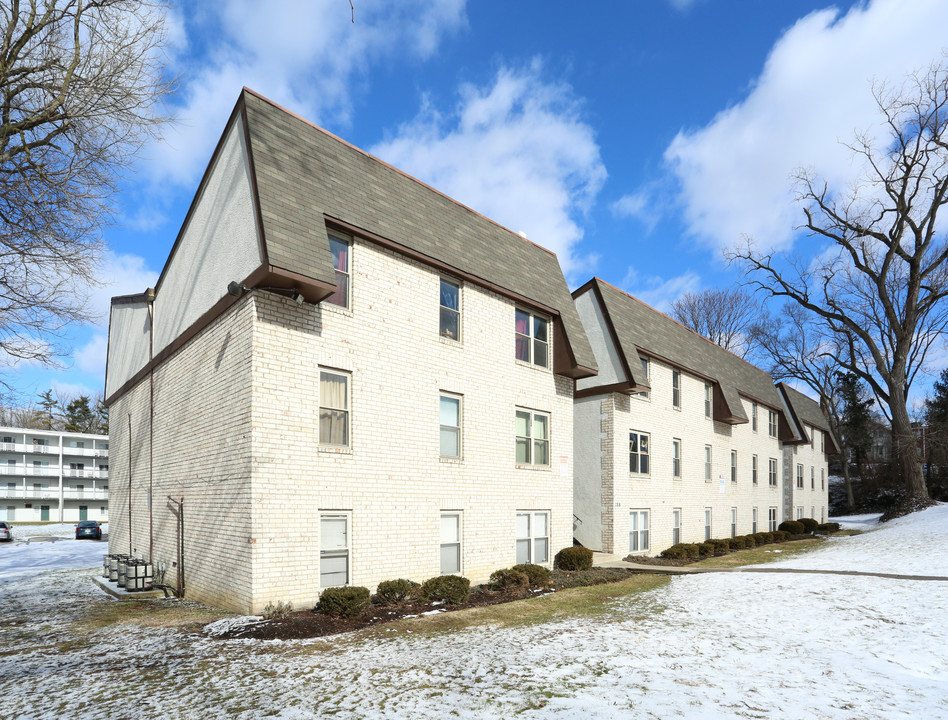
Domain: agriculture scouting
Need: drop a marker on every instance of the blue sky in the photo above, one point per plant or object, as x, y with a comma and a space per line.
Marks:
636, 139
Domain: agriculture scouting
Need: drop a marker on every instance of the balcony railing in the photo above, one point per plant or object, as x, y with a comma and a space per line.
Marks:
85, 494
54, 450
46, 494
53, 471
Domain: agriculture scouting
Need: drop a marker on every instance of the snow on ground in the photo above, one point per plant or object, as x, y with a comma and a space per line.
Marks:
705, 646
29, 553
858, 522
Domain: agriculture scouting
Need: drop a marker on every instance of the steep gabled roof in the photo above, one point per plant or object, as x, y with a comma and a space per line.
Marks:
639, 327
306, 177
805, 410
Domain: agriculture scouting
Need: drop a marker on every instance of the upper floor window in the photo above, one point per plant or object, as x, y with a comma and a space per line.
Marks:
754, 417
533, 438
676, 389
707, 463
812, 433
450, 426
799, 476
638, 453
772, 472
646, 375
733, 466
533, 338
772, 423
340, 261
708, 400
676, 458
822, 441
754, 469
812, 478
822, 479
450, 298
333, 408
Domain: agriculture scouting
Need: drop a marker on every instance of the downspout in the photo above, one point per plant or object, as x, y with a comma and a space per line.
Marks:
151, 423
130, 484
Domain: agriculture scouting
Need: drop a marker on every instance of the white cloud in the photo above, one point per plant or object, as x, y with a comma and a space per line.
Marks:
119, 275
306, 55
516, 151
814, 91
91, 357
70, 390
657, 291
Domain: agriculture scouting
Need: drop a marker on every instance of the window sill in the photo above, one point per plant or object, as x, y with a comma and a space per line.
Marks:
334, 450
451, 460
532, 366
451, 342
337, 309
639, 476
541, 468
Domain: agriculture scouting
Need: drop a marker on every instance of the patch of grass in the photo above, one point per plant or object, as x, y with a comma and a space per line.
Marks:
149, 613
760, 555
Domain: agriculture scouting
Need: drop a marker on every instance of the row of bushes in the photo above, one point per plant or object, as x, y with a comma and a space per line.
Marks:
719, 546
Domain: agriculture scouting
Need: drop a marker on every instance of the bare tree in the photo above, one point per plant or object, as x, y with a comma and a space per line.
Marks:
724, 316
79, 85
880, 289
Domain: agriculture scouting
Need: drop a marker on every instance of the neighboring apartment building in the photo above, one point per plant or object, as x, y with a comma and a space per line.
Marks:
676, 439
342, 377
805, 457
47, 475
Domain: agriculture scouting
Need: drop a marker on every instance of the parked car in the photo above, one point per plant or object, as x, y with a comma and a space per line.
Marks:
88, 529
6, 531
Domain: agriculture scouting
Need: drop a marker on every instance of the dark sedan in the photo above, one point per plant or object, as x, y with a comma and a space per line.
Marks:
88, 529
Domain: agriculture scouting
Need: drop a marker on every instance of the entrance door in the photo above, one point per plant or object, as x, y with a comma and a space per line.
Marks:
11, 512
44, 513
83, 512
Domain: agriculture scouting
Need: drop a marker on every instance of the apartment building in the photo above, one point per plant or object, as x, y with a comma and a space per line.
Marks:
375, 381
47, 475
676, 439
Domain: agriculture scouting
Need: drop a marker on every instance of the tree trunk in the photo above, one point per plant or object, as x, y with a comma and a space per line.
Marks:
905, 449
850, 499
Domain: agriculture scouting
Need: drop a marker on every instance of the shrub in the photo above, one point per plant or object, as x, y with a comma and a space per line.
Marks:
538, 575
395, 592
705, 549
764, 538
828, 527
573, 558
453, 589
791, 527
343, 601
809, 524
736, 543
781, 536
750, 541
676, 552
279, 611
509, 580
721, 546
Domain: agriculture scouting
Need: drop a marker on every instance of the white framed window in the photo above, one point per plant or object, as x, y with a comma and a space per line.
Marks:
822, 478
754, 469
813, 511
334, 568
754, 417
450, 309
450, 411
638, 453
334, 408
812, 434
533, 537
708, 400
707, 463
676, 526
733, 522
753, 521
676, 459
812, 478
799, 512
771, 519
532, 334
707, 523
800, 476
340, 249
822, 441
450, 543
638, 530
647, 370
772, 472
733, 466
676, 390
772, 423
533, 438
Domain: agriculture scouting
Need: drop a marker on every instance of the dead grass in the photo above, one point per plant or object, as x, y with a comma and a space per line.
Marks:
151, 613
760, 555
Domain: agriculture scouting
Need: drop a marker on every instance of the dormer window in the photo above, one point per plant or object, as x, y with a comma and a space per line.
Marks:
532, 334
450, 299
340, 261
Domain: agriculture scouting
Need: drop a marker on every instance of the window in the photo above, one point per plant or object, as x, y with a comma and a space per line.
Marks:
772, 473
450, 298
771, 519
754, 417
532, 335
646, 370
813, 511
333, 408
733, 466
707, 523
753, 521
676, 526
822, 479
533, 438
638, 453
450, 543
533, 537
333, 550
754, 469
80, 444
772, 423
733, 522
450, 426
676, 458
822, 441
799, 512
638, 531
800, 476
812, 478
708, 400
676, 389
39, 441
812, 433
340, 261
707, 463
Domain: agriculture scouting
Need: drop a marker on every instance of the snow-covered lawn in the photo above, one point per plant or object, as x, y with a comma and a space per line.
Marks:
705, 646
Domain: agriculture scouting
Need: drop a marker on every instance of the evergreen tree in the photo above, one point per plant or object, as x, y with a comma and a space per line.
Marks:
936, 417
856, 418
49, 410
80, 417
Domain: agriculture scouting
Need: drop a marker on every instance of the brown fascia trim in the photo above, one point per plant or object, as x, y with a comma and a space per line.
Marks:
784, 430
621, 387
566, 366
251, 167
594, 286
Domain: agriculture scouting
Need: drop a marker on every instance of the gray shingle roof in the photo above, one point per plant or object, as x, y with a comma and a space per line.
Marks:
639, 326
808, 411
304, 173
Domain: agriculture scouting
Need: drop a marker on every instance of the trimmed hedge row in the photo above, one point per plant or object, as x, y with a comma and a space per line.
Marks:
722, 546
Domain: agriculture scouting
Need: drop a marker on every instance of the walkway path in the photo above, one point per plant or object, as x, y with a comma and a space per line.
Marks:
685, 570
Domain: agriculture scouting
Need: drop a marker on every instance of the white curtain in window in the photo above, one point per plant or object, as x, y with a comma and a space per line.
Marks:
333, 409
